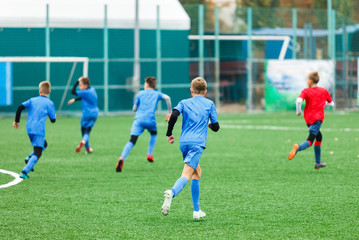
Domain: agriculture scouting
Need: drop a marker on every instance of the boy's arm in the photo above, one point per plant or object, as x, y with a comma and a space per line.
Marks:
329, 104
169, 106
171, 124
299, 106
214, 126
18, 115
52, 113
73, 91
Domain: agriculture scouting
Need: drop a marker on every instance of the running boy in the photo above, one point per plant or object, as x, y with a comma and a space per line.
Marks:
89, 108
196, 112
316, 98
39, 108
145, 107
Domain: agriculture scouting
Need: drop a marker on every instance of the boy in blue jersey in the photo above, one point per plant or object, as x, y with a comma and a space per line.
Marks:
39, 108
196, 112
88, 97
145, 107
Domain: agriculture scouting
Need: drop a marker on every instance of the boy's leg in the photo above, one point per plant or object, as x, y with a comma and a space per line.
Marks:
86, 136
313, 132
151, 145
33, 160
82, 143
195, 190
177, 188
317, 152
129, 145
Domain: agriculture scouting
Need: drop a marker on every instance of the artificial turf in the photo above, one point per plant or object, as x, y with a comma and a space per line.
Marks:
249, 189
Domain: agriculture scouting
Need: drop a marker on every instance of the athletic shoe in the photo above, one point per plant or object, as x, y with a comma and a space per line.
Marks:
78, 149
119, 165
197, 215
167, 202
24, 175
293, 152
150, 158
89, 150
320, 165
26, 161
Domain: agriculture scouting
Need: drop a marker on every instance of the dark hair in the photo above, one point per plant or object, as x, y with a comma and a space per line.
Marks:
314, 76
85, 80
151, 81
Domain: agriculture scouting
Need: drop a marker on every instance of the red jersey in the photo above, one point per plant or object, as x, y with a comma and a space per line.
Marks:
315, 100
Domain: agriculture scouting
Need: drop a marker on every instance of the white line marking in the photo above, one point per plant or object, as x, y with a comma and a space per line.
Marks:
272, 128
13, 182
281, 128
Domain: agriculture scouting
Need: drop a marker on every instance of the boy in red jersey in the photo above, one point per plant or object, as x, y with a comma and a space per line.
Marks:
316, 99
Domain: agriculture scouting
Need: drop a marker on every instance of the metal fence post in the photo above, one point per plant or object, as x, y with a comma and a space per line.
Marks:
249, 59
47, 39
200, 42
105, 61
294, 26
329, 16
217, 56
159, 63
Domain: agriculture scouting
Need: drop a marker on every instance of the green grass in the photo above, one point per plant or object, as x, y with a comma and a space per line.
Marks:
249, 189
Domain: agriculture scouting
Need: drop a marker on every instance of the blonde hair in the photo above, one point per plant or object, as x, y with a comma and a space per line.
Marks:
314, 76
45, 87
199, 85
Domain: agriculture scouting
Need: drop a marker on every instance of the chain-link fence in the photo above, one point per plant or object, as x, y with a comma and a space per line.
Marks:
229, 46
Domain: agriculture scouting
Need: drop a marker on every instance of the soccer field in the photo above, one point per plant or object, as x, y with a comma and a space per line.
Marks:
249, 189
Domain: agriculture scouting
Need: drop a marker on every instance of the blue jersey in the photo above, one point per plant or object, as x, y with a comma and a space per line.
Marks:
39, 108
196, 112
146, 102
88, 102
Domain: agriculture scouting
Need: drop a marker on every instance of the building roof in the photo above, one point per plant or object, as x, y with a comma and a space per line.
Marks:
91, 13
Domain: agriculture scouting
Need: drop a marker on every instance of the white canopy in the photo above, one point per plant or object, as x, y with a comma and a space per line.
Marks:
91, 14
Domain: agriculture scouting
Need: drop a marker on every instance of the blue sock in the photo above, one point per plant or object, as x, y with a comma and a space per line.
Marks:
195, 194
30, 155
179, 185
126, 150
30, 164
304, 145
85, 137
317, 153
151, 144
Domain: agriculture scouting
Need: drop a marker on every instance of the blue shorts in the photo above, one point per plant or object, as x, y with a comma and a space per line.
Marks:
88, 121
37, 140
191, 154
138, 127
315, 127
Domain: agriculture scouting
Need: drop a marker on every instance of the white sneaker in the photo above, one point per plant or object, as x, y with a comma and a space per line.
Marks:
197, 215
167, 203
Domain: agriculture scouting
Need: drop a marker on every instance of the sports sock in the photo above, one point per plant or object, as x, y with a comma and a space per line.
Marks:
151, 144
195, 194
30, 155
126, 150
179, 185
304, 145
30, 164
317, 150
85, 137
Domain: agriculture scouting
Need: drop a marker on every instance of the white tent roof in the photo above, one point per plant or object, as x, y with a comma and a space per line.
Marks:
91, 13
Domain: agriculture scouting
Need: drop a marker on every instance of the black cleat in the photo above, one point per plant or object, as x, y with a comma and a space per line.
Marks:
320, 165
119, 165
